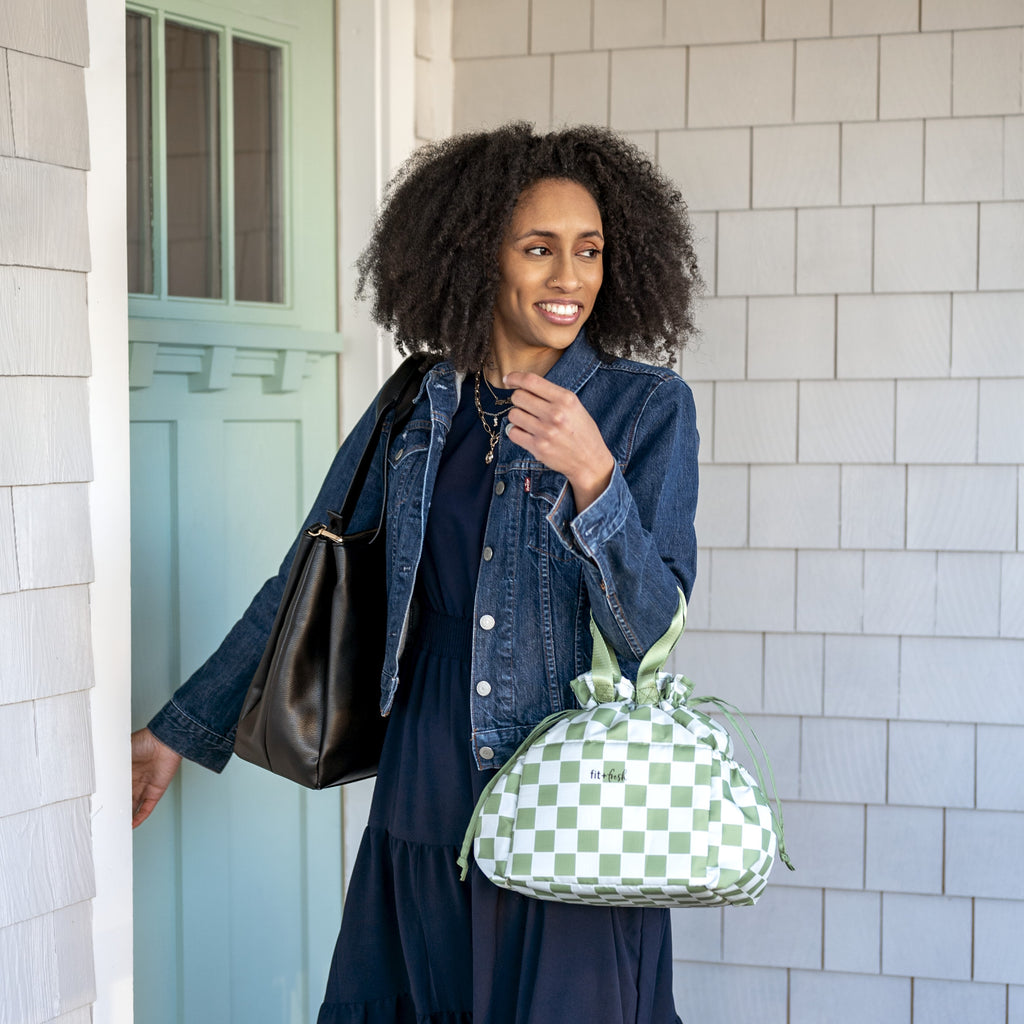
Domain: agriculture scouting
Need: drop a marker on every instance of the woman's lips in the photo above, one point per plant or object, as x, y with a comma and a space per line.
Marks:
561, 313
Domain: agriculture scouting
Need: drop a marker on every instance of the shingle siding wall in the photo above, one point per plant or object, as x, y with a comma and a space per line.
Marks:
855, 170
46, 763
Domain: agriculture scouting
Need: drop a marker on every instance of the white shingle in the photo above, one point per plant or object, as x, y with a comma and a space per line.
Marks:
720, 351
882, 162
722, 510
1013, 158
998, 926
48, 110
49, 28
42, 208
559, 25
834, 250
916, 75
926, 248
704, 402
794, 506
780, 737
793, 670
73, 946
1001, 249
489, 91
29, 970
35, 659
1011, 601
893, 336
755, 421
756, 252
696, 22
729, 992
961, 508
850, 998
649, 88
796, 165
6, 124
931, 764
862, 676
1015, 1010
711, 166
830, 591
580, 90
19, 762
619, 25
791, 337
704, 227
968, 594
963, 159
916, 833
728, 665
936, 420
752, 590
49, 416
741, 85
8, 553
937, 14
873, 17
490, 30
1001, 423
1000, 767
873, 506
926, 936
959, 1001
987, 72
826, 843
783, 930
988, 335
836, 79
853, 924
971, 839
843, 760
796, 19
940, 680
899, 592
38, 512
697, 610
64, 735
697, 936
846, 421
44, 326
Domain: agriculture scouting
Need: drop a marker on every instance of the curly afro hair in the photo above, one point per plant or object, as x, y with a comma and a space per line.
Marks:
432, 260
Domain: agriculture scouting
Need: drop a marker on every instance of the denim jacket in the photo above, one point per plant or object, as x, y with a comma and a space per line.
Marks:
543, 570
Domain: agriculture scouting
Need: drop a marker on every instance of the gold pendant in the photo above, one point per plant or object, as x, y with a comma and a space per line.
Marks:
489, 458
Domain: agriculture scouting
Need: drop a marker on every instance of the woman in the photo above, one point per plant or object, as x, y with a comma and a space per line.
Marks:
542, 476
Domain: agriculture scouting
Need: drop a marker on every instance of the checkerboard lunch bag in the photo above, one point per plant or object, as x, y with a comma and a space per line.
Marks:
633, 799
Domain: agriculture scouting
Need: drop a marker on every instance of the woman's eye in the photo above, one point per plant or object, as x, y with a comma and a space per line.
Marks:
538, 250
591, 254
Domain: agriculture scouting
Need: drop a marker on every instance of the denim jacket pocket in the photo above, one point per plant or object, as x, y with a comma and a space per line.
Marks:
403, 465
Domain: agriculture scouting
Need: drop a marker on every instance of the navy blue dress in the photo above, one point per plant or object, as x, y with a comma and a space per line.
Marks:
417, 945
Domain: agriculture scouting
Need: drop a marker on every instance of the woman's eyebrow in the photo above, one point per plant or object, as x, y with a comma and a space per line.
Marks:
544, 233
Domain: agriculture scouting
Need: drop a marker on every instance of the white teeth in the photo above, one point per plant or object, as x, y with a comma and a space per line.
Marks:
560, 308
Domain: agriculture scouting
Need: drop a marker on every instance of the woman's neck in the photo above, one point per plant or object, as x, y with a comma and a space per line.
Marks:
499, 363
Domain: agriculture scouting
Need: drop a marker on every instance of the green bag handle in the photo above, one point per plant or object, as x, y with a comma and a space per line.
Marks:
605, 670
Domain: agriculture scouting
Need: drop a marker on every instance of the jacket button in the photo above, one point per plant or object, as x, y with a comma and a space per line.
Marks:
483, 688
488, 553
486, 753
487, 622
399, 454
499, 487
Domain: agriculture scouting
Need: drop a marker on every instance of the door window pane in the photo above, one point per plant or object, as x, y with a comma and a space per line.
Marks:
193, 163
259, 259
140, 149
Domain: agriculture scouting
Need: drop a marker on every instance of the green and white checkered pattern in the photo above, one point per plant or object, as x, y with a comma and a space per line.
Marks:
626, 803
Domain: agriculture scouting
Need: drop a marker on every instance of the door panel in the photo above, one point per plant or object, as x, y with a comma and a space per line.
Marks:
238, 876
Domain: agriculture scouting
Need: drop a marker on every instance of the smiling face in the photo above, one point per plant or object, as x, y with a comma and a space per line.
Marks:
551, 272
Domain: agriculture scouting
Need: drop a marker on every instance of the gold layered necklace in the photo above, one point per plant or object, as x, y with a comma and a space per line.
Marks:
490, 420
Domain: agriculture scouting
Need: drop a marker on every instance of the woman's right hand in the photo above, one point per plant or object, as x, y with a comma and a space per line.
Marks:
153, 767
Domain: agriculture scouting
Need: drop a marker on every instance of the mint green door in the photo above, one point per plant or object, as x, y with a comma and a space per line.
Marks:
234, 355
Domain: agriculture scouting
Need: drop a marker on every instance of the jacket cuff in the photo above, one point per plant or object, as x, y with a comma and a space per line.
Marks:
190, 738
602, 518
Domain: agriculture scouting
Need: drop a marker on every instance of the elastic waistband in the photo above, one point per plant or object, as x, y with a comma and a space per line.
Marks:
450, 636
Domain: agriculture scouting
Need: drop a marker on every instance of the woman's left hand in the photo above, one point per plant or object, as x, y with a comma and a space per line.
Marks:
551, 423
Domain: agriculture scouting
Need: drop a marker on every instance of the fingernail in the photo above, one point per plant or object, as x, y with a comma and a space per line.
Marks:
504, 380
